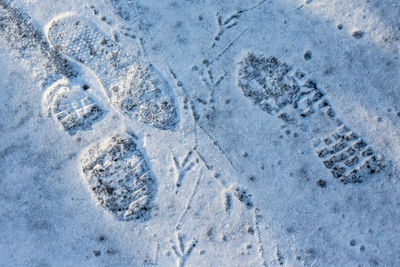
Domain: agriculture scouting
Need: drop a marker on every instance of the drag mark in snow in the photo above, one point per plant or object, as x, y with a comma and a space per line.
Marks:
189, 202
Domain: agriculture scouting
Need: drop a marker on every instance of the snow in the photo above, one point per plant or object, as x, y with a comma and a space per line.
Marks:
234, 184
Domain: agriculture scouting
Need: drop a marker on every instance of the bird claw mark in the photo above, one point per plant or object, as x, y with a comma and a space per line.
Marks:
228, 202
183, 167
230, 22
120, 29
128, 32
180, 251
209, 80
211, 83
224, 24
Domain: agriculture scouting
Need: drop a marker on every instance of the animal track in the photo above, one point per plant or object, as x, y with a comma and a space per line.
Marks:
72, 107
119, 176
135, 88
243, 196
228, 202
183, 167
231, 21
180, 251
211, 84
278, 90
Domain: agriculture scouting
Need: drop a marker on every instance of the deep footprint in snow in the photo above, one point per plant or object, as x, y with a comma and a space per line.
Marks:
119, 176
134, 88
287, 94
73, 108
115, 169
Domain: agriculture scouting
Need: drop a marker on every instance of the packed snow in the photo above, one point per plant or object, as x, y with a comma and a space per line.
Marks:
199, 133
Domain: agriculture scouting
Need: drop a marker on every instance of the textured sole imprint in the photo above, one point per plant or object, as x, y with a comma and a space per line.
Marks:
119, 176
134, 88
17, 32
347, 156
72, 107
287, 94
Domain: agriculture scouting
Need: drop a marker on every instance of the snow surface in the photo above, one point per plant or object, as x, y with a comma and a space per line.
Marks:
232, 184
